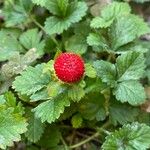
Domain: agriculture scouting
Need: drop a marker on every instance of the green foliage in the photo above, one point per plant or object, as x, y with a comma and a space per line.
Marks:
35, 127
134, 136
109, 13
32, 39
50, 110
31, 80
58, 25
111, 101
12, 124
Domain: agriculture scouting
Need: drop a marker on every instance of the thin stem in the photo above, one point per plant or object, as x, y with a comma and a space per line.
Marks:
42, 28
85, 141
64, 143
91, 137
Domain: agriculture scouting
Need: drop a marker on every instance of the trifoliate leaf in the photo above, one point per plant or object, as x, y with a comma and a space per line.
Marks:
90, 71
50, 138
35, 128
58, 25
52, 109
9, 45
106, 71
17, 14
109, 13
130, 91
32, 39
31, 80
130, 66
76, 44
76, 121
122, 113
76, 92
125, 29
133, 136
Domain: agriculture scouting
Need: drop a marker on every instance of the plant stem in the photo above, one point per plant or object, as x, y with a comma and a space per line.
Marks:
85, 141
91, 137
42, 28
64, 143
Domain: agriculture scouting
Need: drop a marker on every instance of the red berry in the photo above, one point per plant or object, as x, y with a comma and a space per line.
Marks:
69, 67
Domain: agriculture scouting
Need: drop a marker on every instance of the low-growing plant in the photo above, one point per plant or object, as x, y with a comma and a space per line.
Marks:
72, 78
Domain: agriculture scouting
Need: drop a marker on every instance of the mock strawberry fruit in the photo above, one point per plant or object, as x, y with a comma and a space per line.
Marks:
69, 67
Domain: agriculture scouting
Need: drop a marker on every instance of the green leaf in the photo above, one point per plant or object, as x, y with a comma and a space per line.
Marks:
76, 121
122, 113
35, 128
40, 95
40, 2
18, 63
130, 66
50, 138
125, 29
10, 101
133, 136
90, 71
9, 45
106, 71
32, 39
76, 92
12, 124
31, 80
76, 44
52, 109
15, 12
109, 13
58, 25
130, 91
92, 107
95, 39
55, 88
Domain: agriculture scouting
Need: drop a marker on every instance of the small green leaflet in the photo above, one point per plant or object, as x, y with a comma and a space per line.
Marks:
122, 114
96, 39
39, 2
18, 14
125, 29
12, 124
31, 80
76, 92
133, 136
76, 121
35, 128
76, 44
130, 66
50, 138
9, 45
106, 71
52, 109
58, 25
90, 71
130, 91
32, 39
109, 13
